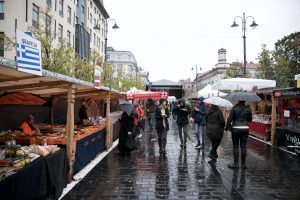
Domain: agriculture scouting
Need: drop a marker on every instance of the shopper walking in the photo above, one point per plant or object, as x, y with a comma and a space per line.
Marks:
162, 125
150, 113
199, 115
182, 112
215, 129
237, 123
139, 119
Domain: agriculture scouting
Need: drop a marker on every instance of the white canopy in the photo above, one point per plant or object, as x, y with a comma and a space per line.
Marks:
207, 91
133, 90
248, 84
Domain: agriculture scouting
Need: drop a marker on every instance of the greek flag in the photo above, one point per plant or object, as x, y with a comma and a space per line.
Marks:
28, 54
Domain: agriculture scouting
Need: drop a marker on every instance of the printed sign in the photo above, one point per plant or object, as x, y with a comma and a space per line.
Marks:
97, 76
28, 54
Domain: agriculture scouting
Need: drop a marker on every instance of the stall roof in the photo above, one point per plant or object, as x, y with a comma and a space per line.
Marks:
50, 84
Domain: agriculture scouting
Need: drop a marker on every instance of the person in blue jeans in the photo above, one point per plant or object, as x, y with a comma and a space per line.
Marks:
199, 114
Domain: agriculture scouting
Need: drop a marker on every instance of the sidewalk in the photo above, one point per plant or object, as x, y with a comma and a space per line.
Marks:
188, 174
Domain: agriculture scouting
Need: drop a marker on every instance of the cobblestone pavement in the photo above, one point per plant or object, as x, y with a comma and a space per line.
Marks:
188, 174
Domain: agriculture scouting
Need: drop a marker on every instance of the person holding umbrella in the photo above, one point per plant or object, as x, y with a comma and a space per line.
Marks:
162, 125
215, 123
237, 123
126, 140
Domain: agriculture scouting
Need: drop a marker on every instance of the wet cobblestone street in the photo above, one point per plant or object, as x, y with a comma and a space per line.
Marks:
189, 174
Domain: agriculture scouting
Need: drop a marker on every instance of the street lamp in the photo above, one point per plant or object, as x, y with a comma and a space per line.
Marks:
115, 26
196, 69
253, 25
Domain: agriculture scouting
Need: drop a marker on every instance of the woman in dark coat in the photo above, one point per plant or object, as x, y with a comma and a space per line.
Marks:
162, 125
215, 129
126, 129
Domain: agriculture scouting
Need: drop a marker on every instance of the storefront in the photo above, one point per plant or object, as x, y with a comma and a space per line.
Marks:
76, 144
286, 110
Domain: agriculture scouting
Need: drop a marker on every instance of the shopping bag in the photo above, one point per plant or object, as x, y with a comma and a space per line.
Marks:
130, 143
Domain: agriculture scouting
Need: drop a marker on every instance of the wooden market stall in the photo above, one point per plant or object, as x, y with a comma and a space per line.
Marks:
54, 87
286, 110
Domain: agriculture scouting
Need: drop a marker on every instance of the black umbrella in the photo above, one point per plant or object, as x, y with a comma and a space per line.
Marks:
242, 96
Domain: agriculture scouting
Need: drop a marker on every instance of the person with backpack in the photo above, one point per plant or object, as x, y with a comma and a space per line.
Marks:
150, 113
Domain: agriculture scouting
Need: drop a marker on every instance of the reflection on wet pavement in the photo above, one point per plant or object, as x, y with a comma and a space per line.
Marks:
189, 174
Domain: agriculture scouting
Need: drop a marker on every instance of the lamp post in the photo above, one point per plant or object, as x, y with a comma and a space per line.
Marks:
196, 69
253, 25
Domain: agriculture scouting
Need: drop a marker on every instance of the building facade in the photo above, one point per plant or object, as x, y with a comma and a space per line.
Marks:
70, 20
215, 74
124, 64
188, 87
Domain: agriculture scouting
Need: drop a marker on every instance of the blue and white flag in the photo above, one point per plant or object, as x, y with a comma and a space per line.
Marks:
28, 54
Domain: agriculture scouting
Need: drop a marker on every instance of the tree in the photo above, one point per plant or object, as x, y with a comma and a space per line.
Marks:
289, 48
236, 70
283, 74
266, 70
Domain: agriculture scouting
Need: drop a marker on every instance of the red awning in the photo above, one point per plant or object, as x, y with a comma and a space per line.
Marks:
146, 95
21, 99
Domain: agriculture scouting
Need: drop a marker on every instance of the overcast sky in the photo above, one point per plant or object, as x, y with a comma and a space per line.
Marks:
169, 37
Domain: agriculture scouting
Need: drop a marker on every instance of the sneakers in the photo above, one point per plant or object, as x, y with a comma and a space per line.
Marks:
139, 136
214, 158
198, 146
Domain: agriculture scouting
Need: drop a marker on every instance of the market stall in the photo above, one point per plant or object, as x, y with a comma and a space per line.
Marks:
81, 142
286, 110
144, 95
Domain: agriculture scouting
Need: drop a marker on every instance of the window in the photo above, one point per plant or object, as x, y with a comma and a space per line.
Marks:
102, 46
2, 44
82, 10
35, 15
60, 32
61, 8
91, 4
54, 29
69, 38
102, 30
91, 35
1, 9
49, 2
91, 18
69, 16
77, 3
94, 39
48, 24
95, 10
55, 5
95, 22
76, 20
98, 43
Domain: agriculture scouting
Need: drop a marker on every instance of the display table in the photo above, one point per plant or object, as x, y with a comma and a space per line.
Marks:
260, 130
44, 178
286, 136
86, 145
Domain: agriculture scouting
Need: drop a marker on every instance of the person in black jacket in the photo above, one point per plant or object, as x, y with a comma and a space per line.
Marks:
162, 125
182, 112
215, 129
237, 122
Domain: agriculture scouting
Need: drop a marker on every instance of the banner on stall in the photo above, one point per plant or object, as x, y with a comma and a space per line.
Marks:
29, 57
97, 76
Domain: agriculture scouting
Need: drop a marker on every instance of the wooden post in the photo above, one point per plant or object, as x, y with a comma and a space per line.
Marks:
53, 102
274, 120
70, 130
109, 134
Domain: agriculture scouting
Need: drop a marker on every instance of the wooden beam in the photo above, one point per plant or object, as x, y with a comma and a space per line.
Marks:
17, 78
85, 93
70, 131
109, 134
274, 120
32, 85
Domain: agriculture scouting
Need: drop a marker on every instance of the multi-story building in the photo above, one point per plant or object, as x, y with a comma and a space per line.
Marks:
124, 64
188, 87
80, 23
215, 74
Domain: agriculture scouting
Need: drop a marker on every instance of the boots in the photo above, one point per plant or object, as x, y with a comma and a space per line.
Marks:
181, 143
243, 157
235, 164
184, 143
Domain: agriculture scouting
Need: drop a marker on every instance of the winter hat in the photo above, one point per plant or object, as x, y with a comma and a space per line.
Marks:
201, 98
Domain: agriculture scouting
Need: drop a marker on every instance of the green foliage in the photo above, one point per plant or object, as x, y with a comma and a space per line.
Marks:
265, 64
236, 70
283, 74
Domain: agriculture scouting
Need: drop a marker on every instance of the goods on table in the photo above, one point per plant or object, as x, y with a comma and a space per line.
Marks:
265, 119
12, 135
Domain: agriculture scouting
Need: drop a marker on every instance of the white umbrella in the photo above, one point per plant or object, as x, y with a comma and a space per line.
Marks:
219, 102
207, 91
248, 84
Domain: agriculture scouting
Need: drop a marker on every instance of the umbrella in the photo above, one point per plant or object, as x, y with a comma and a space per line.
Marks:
242, 96
127, 106
219, 102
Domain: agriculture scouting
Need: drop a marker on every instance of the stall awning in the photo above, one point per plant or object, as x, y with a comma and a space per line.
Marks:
21, 98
